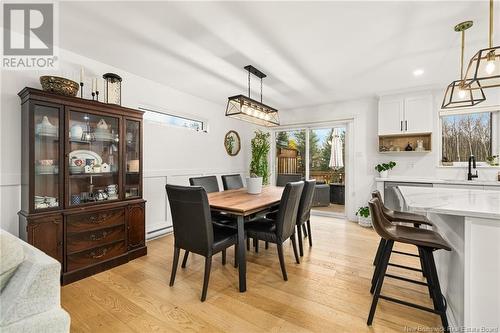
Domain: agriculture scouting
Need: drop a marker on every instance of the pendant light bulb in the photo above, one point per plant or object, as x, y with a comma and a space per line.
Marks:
490, 67
461, 93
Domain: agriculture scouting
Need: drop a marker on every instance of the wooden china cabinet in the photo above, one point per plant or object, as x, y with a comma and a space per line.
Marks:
81, 192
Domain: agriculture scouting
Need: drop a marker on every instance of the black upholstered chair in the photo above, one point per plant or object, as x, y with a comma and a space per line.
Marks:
285, 178
304, 213
283, 227
194, 231
209, 183
232, 182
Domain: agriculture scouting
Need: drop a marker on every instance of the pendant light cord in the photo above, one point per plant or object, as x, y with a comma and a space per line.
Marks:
261, 90
491, 24
462, 56
249, 83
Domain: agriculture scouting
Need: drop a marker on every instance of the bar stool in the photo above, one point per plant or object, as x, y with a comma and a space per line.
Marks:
427, 241
401, 217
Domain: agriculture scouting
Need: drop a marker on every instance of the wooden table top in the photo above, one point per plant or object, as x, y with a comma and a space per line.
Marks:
239, 202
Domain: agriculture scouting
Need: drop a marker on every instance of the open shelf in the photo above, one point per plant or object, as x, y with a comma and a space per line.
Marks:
93, 174
388, 144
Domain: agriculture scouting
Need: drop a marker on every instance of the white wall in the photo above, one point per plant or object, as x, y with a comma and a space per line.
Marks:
170, 154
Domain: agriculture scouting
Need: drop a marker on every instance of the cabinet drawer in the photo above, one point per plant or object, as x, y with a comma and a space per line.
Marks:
96, 255
95, 221
87, 240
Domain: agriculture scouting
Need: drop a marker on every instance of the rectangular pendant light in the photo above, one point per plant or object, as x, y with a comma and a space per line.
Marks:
249, 110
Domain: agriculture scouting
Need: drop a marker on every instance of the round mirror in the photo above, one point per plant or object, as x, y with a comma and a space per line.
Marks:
232, 143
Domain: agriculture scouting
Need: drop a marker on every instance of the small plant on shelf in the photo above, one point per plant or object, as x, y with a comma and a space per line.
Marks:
384, 168
364, 218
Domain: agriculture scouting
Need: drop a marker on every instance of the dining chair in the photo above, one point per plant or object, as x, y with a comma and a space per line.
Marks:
209, 183
303, 214
232, 182
427, 241
194, 230
284, 226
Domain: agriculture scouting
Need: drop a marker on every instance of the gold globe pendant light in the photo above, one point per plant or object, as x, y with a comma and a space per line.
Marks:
462, 93
247, 109
484, 67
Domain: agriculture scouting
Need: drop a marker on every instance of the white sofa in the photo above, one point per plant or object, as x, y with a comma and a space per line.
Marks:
30, 296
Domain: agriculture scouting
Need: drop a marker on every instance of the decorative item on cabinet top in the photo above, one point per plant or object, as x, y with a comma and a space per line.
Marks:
59, 85
232, 143
112, 88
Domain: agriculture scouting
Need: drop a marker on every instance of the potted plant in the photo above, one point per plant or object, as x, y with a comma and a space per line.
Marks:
492, 160
364, 218
384, 168
259, 167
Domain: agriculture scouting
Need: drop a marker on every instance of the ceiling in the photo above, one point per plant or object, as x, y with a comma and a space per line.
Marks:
313, 52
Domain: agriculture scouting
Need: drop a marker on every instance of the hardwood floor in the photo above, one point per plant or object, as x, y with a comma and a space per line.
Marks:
327, 292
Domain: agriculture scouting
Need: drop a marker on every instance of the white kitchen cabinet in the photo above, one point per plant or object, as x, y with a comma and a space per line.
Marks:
405, 115
390, 116
418, 114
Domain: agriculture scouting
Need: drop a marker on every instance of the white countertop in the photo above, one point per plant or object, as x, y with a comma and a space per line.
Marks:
461, 202
402, 179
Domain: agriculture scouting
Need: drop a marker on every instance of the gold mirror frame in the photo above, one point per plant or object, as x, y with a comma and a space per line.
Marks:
229, 143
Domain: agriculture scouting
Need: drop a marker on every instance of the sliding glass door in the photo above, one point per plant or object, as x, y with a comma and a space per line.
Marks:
326, 164
314, 153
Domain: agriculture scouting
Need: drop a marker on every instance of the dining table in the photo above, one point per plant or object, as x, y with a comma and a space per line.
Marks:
243, 205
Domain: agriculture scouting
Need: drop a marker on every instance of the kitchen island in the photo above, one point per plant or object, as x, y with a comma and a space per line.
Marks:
470, 274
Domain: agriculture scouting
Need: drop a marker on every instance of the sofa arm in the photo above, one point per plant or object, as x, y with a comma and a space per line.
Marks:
53, 321
33, 289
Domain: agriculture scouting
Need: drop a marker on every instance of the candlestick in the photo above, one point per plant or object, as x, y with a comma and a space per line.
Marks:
97, 95
81, 89
93, 95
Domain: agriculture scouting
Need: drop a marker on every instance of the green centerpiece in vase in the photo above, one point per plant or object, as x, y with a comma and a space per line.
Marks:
259, 166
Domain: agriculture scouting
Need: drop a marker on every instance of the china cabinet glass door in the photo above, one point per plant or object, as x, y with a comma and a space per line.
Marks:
94, 155
132, 158
46, 152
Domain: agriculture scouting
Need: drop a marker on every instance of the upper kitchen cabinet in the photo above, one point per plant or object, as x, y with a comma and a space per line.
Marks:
405, 115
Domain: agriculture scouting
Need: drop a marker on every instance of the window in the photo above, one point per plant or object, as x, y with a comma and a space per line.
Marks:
173, 120
469, 134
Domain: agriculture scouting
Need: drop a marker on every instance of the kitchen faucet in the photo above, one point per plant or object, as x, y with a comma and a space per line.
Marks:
472, 159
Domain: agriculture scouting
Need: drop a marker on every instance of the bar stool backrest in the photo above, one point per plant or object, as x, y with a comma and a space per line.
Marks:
380, 223
376, 194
